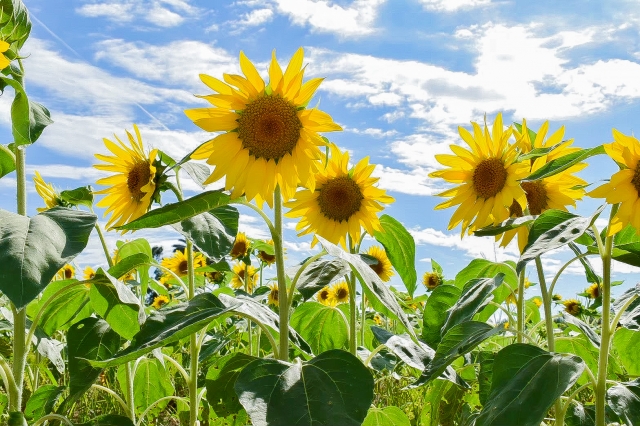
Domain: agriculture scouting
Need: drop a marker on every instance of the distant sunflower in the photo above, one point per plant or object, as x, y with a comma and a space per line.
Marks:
216, 277
431, 280
555, 192
4, 61
45, 190
624, 186
537, 301
487, 176
267, 258
240, 246
178, 262
344, 201
593, 291
133, 185
377, 319
556, 297
160, 301
238, 279
67, 272
383, 268
273, 294
340, 292
270, 137
325, 296
89, 273
572, 306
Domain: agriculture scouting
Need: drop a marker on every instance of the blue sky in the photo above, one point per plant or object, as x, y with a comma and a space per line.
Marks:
401, 76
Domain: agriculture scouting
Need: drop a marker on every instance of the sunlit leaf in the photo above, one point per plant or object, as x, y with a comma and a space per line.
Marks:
401, 250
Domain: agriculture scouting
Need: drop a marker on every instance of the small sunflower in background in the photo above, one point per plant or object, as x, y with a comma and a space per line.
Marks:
325, 296
178, 263
240, 247
269, 136
159, 301
4, 61
378, 320
431, 280
238, 279
537, 301
487, 176
273, 294
573, 307
340, 292
67, 272
215, 277
593, 291
556, 297
45, 190
383, 268
134, 182
343, 202
89, 273
267, 258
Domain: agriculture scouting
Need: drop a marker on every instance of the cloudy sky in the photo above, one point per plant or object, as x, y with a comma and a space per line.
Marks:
401, 76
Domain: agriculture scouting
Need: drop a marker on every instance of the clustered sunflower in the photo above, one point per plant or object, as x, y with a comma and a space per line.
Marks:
383, 267
178, 262
334, 295
67, 272
431, 280
159, 301
240, 247
243, 273
273, 294
267, 258
573, 307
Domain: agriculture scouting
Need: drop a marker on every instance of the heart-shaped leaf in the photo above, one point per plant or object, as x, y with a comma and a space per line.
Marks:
325, 327
387, 416
220, 382
624, 400
212, 232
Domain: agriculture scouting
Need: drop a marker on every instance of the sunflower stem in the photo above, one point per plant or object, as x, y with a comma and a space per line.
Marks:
276, 236
104, 245
353, 334
246, 281
130, 395
193, 345
520, 306
363, 308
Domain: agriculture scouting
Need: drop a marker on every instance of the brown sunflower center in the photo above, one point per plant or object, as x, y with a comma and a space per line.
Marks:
274, 295
269, 127
515, 210
68, 273
537, 199
636, 179
239, 249
323, 295
378, 268
342, 293
340, 198
138, 176
183, 267
489, 177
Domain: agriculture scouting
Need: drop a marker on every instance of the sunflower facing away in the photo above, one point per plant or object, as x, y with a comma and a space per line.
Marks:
45, 190
178, 262
383, 268
340, 292
273, 294
554, 192
4, 61
238, 279
624, 186
344, 201
572, 306
325, 296
133, 185
267, 258
240, 246
487, 175
593, 291
270, 137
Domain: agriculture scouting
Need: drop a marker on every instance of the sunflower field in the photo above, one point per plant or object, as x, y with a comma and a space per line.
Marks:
226, 331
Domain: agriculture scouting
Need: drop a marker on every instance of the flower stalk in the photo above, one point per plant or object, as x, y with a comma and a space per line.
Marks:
283, 302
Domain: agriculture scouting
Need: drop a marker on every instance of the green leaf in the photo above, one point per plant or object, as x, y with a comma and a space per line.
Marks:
71, 306
319, 274
435, 396
198, 172
501, 228
459, 340
579, 346
401, 250
42, 401
169, 325
32, 250
630, 318
108, 420
132, 248
538, 152
221, 378
15, 24
547, 221
151, 382
28, 118
526, 381
377, 292
7, 161
561, 164
584, 328
129, 263
387, 416
213, 232
276, 393
485, 359
82, 196
436, 312
579, 415
624, 400
626, 343
323, 326
590, 274
177, 212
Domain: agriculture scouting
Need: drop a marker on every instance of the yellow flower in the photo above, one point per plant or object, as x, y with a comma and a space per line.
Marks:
537, 301
572, 306
238, 279
431, 280
4, 61
178, 262
273, 294
378, 319
624, 186
266, 257
164, 280
512, 298
383, 267
593, 291
45, 190
506, 325
340, 292
269, 136
240, 246
215, 277
342, 203
555, 192
160, 301
133, 185
487, 176
66, 273
556, 297
89, 273
325, 296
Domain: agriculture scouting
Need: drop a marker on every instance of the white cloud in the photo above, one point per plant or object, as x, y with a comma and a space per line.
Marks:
161, 13
453, 5
255, 17
414, 182
371, 131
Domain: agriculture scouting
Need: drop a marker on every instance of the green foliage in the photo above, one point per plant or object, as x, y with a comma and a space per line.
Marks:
626, 343
475, 296
15, 24
325, 327
436, 312
320, 273
42, 401
561, 164
220, 382
69, 307
401, 250
387, 416
151, 382
212, 232
624, 400
7, 161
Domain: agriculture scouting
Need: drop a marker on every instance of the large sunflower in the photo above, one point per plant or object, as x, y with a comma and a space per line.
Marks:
340, 292
344, 201
238, 279
624, 186
133, 185
488, 176
45, 190
269, 136
383, 268
325, 296
240, 247
178, 262
555, 192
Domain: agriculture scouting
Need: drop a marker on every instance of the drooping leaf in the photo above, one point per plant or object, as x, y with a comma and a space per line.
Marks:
561, 164
42, 401
436, 312
32, 250
220, 382
323, 326
320, 273
590, 274
198, 172
150, 383
212, 232
82, 196
401, 250
501, 228
624, 400
7, 161
387, 416
29, 119
276, 393
626, 343
584, 328
129, 263
630, 318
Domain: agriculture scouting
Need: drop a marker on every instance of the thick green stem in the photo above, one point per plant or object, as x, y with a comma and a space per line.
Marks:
363, 310
520, 306
193, 345
130, 396
104, 245
353, 312
247, 281
283, 301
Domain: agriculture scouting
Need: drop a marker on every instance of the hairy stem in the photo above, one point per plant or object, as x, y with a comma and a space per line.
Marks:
283, 302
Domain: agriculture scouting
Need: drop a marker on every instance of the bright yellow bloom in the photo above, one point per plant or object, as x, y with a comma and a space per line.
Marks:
325, 296
487, 176
555, 192
431, 280
266, 257
215, 277
572, 306
178, 262
238, 279
269, 136
273, 294
89, 273
133, 185
383, 268
67, 272
537, 301
624, 186
240, 246
593, 291
160, 301
512, 298
4, 61
340, 292
45, 190
378, 319
344, 201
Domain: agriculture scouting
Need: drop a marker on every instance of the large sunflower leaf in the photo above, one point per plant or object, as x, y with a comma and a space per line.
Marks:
333, 388
630, 318
624, 400
561, 164
501, 228
584, 328
626, 343
15, 24
221, 378
320, 273
387, 416
32, 250
70, 306
42, 401
526, 382
323, 326
401, 249
7, 161
436, 311
150, 383
485, 359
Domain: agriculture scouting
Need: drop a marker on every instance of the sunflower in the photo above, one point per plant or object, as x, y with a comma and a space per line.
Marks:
216, 277
572, 306
512, 298
383, 267
325, 296
340, 292
164, 280
556, 297
624, 186
134, 183
241, 246
267, 258
67, 272
377, 319
4, 61
178, 262
431, 280
89, 273
270, 138
554, 192
537, 301
45, 190
344, 201
488, 176
273, 294
593, 291
238, 279
160, 301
